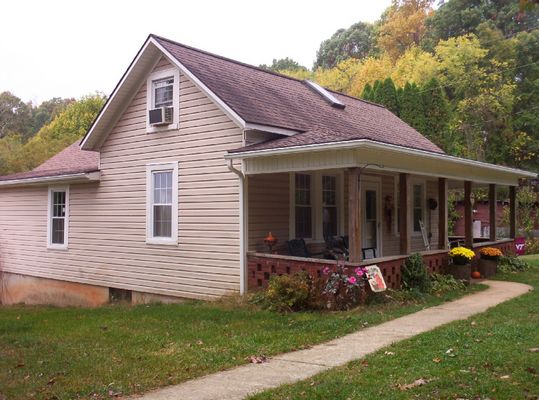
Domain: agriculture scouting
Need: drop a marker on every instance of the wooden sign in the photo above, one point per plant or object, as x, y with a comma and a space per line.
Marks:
376, 279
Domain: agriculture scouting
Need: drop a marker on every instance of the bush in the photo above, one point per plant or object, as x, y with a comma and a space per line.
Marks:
532, 246
415, 274
512, 264
285, 293
343, 288
444, 283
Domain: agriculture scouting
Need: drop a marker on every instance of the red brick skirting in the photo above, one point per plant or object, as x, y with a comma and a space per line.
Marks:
261, 266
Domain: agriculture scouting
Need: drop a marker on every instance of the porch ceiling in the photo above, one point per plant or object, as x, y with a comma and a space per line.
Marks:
384, 157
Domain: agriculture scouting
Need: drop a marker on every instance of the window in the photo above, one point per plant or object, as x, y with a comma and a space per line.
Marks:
58, 221
329, 206
304, 223
162, 203
418, 206
163, 90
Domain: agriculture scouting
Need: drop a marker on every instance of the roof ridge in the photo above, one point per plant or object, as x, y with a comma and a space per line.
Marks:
302, 81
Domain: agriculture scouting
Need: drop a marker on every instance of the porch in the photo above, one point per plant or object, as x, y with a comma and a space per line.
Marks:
389, 200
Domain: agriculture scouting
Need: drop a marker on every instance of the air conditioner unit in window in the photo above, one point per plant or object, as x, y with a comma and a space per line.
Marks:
161, 116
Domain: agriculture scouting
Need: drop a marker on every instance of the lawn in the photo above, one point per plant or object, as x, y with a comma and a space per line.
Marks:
67, 353
485, 357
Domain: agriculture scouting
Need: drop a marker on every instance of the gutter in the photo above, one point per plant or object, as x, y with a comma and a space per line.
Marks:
243, 225
373, 145
83, 176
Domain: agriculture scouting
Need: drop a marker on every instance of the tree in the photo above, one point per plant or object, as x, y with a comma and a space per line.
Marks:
460, 17
355, 42
47, 110
415, 65
63, 130
404, 26
367, 93
411, 107
385, 93
14, 115
283, 64
437, 115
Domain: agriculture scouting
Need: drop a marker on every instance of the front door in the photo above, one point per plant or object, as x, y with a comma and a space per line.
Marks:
371, 220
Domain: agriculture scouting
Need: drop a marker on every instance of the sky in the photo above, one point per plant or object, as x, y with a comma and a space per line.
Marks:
70, 49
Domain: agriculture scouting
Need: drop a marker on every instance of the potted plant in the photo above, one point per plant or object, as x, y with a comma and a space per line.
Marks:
460, 267
488, 261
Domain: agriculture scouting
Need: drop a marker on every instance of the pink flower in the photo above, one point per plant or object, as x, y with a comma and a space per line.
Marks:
352, 280
325, 271
359, 271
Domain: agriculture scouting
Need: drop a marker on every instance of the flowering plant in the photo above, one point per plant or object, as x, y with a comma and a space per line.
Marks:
491, 253
343, 288
461, 255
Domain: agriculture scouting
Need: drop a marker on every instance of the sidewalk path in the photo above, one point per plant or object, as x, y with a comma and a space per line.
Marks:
239, 382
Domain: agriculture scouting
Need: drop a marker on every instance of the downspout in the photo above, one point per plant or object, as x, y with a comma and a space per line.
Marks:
243, 236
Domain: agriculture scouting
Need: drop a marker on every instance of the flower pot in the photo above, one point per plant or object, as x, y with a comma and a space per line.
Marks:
487, 267
460, 272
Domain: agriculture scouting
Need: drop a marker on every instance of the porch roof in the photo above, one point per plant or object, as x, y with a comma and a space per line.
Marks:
375, 155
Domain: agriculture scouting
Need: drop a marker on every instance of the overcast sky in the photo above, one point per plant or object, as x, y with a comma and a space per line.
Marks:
71, 48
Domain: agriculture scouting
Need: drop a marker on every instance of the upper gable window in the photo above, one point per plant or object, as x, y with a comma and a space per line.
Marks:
163, 101
163, 91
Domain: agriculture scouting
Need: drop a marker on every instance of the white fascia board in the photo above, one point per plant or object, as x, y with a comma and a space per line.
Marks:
220, 103
271, 129
113, 96
369, 144
80, 177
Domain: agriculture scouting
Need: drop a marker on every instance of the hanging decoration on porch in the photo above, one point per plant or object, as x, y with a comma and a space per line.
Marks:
388, 212
376, 279
270, 241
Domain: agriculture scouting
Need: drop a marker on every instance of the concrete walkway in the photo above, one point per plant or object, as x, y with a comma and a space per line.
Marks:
239, 382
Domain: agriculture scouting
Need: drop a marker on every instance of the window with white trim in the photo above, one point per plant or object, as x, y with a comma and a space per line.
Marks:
303, 206
58, 217
162, 203
330, 214
418, 205
163, 90
163, 96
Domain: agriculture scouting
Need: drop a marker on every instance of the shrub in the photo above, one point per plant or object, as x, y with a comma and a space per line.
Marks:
343, 289
512, 264
532, 246
444, 283
415, 274
285, 293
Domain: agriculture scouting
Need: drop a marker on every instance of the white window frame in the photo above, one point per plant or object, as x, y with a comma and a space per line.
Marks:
150, 169
423, 184
316, 204
157, 76
57, 246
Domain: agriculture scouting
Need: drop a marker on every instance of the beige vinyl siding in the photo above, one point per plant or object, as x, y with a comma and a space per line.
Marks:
107, 224
269, 210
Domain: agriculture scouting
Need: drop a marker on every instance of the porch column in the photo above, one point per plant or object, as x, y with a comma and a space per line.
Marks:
512, 212
492, 211
403, 214
354, 215
442, 213
468, 215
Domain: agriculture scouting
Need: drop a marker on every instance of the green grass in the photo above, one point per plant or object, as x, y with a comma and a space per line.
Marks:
67, 353
490, 359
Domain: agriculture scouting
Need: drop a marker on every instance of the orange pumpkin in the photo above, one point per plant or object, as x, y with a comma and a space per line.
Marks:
476, 275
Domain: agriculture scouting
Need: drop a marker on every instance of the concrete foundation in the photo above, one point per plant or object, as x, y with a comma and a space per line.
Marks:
25, 289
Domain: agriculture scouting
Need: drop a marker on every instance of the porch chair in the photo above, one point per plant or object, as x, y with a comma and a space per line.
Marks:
368, 252
336, 248
298, 248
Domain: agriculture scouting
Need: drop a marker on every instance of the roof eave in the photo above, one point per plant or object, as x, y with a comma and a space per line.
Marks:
82, 177
368, 144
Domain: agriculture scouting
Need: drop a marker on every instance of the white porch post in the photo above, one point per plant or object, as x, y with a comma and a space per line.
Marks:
442, 214
404, 204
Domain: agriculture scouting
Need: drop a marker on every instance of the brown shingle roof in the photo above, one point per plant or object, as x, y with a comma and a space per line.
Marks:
71, 160
266, 98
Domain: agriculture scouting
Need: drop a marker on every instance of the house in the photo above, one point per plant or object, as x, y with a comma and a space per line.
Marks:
195, 158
